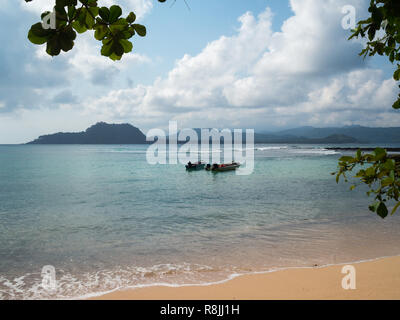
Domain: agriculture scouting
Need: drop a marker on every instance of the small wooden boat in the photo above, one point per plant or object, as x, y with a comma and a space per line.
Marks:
222, 167
195, 166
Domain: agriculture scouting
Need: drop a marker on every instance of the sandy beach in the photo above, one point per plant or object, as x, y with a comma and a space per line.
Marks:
377, 279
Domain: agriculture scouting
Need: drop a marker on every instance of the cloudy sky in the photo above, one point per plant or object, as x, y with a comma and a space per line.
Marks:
262, 64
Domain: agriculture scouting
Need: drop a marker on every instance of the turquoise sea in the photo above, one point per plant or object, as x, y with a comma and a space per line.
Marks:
106, 219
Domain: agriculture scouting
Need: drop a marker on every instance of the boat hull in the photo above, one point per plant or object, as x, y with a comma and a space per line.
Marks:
220, 168
195, 167
227, 168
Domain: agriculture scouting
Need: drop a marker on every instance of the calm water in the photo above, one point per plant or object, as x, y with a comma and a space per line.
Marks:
106, 219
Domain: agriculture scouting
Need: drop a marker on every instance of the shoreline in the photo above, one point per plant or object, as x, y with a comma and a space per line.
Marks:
375, 279
362, 149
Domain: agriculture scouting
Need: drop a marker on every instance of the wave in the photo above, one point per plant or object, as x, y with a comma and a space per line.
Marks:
102, 282
294, 149
271, 148
69, 286
123, 151
315, 151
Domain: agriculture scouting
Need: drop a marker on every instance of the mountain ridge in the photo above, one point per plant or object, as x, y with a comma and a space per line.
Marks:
125, 133
362, 134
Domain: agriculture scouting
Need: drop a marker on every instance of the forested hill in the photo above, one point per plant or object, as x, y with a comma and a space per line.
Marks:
100, 133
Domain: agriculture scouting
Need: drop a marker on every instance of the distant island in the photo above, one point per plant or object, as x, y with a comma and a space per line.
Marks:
100, 133
104, 133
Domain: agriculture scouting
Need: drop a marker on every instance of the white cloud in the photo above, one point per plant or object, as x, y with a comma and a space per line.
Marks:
85, 60
37, 6
86, 57
85, 63
36, 122
197, 81
307, 73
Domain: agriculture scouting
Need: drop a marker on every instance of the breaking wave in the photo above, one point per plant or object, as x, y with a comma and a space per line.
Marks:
70, 286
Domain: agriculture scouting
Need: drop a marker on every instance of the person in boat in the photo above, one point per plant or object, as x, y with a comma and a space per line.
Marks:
190, 164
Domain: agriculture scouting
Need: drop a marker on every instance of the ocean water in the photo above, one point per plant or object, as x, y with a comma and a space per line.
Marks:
106, 219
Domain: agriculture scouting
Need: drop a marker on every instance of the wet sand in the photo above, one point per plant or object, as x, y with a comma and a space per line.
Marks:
377, 279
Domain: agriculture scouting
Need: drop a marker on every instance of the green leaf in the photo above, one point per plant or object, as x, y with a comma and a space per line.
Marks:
70, 33
114, 57
127, 45
106, 49
80, 28
53, 47
396, 105
390, 164
140, 29
91, 14
396, 75
82, 16
61, 15
115, 13
346, 159
94, 11
382, 210
118, 26
65, 38
371, 33
386, 182
370, 172
101, 32
89, 21
358, 155
118, 49
379, 154
131, 17
66, 44
126, 34
38, 30
377, 17
38, 35
392, 56
35, 39
104, 13
71, 12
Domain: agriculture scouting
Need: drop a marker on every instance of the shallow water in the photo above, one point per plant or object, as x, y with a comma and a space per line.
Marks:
105, 218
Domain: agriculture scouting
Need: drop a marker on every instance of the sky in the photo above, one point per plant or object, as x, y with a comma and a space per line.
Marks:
259, 64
